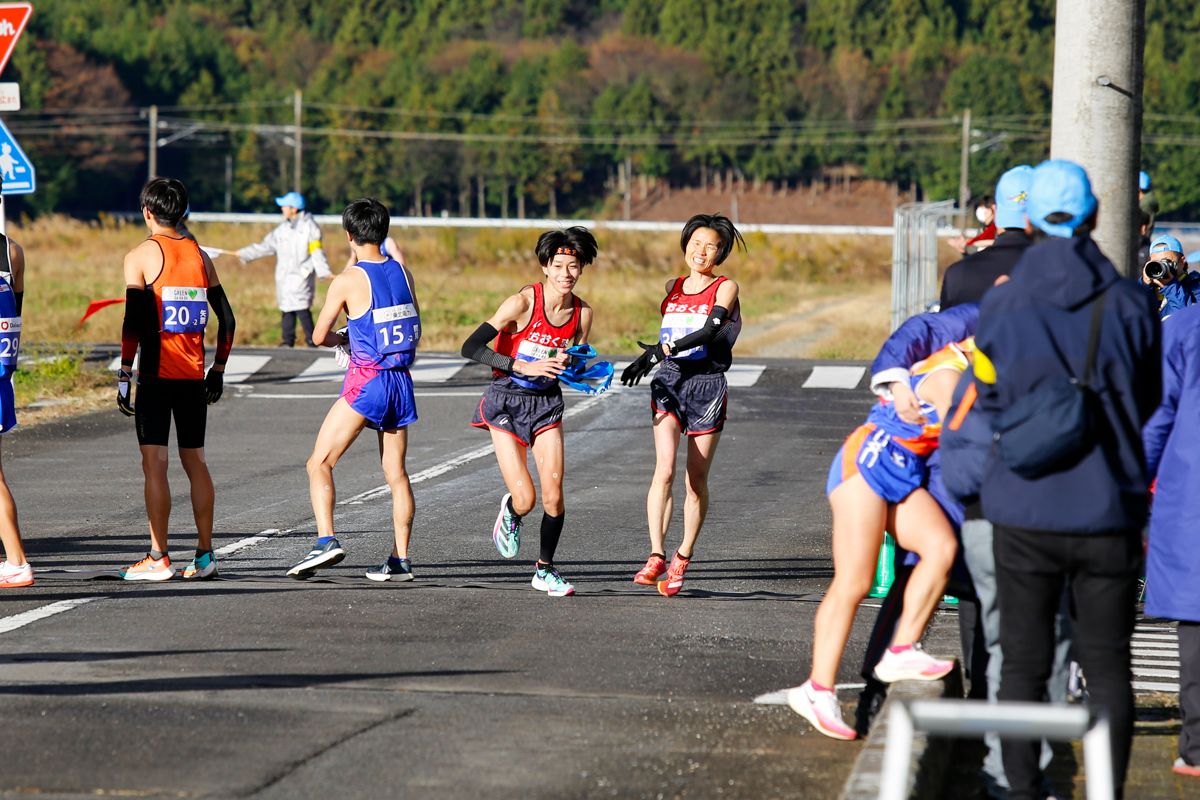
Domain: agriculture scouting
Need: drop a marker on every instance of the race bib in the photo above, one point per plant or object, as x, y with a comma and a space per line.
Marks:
532, 351
678, 324
185, 309
397, 328
10, 340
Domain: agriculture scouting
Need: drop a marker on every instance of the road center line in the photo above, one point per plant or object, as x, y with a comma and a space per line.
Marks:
26, 617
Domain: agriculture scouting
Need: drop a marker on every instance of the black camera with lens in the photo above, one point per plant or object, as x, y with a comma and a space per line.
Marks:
1160, 270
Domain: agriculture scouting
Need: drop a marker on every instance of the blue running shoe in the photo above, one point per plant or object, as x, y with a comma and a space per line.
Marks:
322, 555
392, 569
203, 567
550, 582
506, 533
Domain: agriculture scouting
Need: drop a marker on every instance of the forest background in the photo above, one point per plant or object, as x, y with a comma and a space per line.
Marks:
534, 108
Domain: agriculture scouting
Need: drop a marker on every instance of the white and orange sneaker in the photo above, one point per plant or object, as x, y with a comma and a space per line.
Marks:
911, 664
150, 569
13, 576
670, 586
821, 709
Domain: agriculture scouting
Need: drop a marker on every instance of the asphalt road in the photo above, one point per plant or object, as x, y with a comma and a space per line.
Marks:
464, 682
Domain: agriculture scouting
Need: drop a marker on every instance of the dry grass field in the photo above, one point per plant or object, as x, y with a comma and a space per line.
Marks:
802, 296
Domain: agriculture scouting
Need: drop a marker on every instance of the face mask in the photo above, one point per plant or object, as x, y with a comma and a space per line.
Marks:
983, 214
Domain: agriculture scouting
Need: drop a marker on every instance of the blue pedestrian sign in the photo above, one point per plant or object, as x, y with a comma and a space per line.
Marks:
16, 170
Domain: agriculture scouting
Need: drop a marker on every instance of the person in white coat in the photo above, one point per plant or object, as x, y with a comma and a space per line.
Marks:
299, 261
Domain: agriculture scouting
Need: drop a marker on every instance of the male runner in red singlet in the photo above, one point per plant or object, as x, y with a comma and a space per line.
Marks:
523, 405
170, 284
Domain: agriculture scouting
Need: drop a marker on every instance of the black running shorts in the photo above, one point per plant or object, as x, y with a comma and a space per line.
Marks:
520, 413
697, 402
158, 400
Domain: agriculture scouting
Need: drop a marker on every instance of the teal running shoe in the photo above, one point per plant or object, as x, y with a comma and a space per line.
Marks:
202, 567
550, 582
506, 533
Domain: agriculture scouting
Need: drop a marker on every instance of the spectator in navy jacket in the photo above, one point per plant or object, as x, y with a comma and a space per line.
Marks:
1078, 526
965, 281
1173, 561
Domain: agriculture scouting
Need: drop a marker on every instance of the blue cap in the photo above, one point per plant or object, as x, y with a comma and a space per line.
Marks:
1165, 244
293, 199
1011, 191
1059, 186
1144, 181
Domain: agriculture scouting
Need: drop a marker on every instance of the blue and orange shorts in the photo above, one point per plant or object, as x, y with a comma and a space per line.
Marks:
384, 397
891, 470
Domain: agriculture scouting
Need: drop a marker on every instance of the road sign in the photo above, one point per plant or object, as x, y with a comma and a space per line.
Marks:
10, 97
16, 170
13, 17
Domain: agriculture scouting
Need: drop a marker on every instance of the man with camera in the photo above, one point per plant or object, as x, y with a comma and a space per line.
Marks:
1166, 272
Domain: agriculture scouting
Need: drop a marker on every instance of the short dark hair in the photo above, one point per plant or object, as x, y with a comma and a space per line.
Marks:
166, 199
719, 223
575, 241
366, 220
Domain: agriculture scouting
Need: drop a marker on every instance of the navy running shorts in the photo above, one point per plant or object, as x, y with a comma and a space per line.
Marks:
521, 413
160, 399
696, 401
384, 397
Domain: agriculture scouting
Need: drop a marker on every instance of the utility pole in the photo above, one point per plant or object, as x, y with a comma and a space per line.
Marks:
297, 111
153, 155
1097, 111
964, 166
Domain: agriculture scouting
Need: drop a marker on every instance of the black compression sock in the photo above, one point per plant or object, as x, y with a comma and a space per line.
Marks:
551, 531
200, 552
512, 510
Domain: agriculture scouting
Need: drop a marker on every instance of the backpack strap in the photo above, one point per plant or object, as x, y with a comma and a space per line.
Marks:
1093, 337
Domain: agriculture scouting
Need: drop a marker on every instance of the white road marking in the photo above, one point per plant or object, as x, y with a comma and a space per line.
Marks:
249, 541
1143, 672
417, 392
1152, 686
322, 370
239, 368
834, 377
738, 375
431, 369
779, 697
1164, 662
1169, 637
26, 617
1172, 645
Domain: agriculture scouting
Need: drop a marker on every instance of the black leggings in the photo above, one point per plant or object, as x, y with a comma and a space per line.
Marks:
288, 325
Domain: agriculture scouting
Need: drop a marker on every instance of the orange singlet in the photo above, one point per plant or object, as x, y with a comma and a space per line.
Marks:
181, 298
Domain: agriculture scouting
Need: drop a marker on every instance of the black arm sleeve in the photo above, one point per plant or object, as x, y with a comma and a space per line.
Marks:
476, 348
225, 322
19, 298
713, 328
133, 324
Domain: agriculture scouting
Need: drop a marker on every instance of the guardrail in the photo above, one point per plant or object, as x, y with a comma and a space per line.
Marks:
975, 718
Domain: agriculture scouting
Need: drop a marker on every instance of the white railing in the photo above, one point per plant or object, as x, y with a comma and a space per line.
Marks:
917, 227
975, 718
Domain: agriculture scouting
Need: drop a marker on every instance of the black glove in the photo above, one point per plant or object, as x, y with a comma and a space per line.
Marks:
124, 396
214, 384
642, 365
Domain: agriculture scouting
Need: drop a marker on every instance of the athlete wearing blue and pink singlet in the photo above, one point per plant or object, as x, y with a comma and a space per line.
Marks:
10, 343
888, 452
383, 345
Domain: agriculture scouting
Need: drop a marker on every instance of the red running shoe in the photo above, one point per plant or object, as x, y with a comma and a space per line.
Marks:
648, 575
674, 580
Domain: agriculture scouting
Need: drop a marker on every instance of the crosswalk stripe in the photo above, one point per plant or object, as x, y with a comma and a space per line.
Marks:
834, 377
431, 369
1170, 637
1155, 644
239, 368
322, 370
1156, 673
1155, 686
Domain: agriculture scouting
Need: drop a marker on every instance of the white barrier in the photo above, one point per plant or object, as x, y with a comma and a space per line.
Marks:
1009, 720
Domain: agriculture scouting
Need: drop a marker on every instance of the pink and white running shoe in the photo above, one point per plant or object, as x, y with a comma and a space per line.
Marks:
913, 664
821, 709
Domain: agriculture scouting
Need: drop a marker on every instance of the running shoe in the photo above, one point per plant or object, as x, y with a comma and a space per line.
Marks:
322, 555
913, 664
821, 709
550, 582
201, 568
14, 577
670, 586
648, 575
150, 569
506, 533
1182, 767
392, 570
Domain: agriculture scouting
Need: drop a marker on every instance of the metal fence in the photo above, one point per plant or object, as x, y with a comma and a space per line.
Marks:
914, 256
1010, 720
